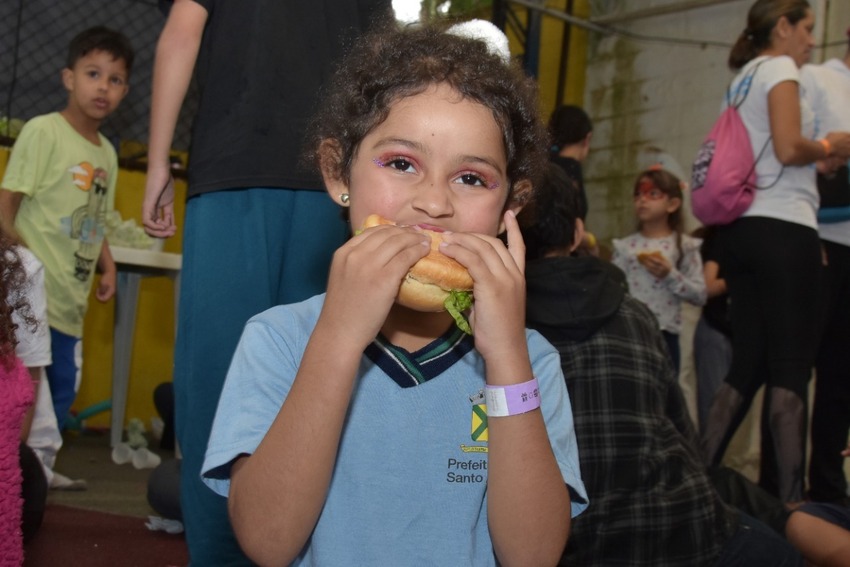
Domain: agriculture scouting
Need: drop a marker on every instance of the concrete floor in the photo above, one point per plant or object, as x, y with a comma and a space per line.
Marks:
118, 489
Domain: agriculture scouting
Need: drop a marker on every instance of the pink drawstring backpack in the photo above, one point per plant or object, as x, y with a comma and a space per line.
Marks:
723, 175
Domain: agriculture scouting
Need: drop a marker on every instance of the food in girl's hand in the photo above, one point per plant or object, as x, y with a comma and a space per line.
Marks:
643, 257
436, 282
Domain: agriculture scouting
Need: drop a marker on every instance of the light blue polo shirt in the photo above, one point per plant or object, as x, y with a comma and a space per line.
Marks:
410, 484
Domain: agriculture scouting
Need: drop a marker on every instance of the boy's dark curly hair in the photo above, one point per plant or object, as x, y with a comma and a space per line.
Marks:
100, 38
392, 63
569, 124
549, 223
13, 298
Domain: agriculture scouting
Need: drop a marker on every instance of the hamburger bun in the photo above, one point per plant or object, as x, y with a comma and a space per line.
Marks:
643, 257
430, 281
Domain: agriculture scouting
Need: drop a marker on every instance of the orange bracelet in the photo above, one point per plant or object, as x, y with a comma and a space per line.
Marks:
826, 146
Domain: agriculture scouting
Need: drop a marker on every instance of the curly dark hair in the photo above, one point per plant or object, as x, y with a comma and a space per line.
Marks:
549, 223
392, 63
569, 124
13, 298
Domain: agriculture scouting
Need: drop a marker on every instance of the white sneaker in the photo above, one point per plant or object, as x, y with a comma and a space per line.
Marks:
62, 482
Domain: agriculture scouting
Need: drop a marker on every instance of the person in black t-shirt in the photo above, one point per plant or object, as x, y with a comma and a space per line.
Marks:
258, 65
712, 338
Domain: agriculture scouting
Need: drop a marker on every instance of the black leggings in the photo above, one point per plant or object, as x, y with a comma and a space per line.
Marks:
831, 409
773, 270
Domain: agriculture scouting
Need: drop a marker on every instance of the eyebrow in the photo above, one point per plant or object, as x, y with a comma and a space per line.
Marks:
98, 67
400, 141
421, 148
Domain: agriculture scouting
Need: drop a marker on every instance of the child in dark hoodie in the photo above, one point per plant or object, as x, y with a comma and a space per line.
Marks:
651, 501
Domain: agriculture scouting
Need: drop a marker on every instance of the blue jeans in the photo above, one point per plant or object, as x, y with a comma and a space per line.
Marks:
754, 544
62, 374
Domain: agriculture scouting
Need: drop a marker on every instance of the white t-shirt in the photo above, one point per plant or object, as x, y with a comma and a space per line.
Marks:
826, 87
33, 346
790, 193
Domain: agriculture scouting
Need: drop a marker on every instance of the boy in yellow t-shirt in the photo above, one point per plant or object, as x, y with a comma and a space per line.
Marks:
58, 187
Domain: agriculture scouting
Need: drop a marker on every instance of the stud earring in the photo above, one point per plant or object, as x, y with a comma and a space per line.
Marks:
345, 198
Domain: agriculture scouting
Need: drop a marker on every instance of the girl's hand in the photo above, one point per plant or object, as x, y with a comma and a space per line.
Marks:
657, 265
846, 452
365, 275
498, 313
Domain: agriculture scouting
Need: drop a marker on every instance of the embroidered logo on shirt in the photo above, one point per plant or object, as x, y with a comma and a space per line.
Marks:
479, 423
469, 469
478, 430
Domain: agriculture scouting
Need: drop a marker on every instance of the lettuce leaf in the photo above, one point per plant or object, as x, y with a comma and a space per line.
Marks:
456, 303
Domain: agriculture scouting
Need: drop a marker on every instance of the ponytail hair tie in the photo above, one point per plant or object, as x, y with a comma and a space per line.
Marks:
748, 34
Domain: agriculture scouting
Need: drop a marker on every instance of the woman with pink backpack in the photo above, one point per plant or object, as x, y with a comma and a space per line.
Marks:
771, 253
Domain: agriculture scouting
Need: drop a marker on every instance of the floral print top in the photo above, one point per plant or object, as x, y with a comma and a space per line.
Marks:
664, 296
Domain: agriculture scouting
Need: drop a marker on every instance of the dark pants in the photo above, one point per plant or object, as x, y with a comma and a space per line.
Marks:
741, 493
673, 349
773, 271
754, 544
33, 491
831, 410
243, 252
163, 401
164, 489
832, 513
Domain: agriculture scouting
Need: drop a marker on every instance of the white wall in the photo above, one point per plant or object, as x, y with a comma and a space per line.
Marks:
653, 100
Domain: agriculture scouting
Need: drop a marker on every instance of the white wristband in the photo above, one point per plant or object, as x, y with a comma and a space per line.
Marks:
503, 401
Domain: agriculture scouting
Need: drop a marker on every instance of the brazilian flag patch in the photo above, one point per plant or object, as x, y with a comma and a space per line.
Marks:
479, 422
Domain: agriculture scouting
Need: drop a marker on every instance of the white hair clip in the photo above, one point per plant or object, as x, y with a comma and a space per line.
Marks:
482, 30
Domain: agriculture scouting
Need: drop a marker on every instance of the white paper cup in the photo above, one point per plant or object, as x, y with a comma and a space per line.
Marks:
145, 459
122, 454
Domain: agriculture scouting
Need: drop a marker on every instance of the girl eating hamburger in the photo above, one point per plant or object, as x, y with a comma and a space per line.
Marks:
357, 428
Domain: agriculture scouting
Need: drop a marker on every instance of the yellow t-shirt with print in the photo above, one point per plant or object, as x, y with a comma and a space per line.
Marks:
69, 186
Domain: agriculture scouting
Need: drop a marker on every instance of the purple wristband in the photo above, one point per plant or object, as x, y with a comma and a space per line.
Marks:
503, 401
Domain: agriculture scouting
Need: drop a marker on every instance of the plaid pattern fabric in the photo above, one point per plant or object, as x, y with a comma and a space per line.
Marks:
651, 502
